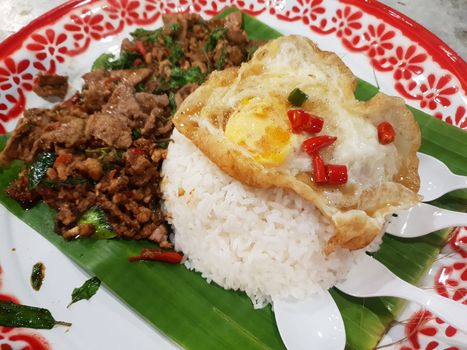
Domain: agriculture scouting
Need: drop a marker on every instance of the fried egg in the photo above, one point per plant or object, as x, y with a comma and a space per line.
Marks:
238, 118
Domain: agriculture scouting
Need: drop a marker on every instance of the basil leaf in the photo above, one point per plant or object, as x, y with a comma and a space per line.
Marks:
172, 102
16, 315
108, 61
86, 291
180, 77
97, 218
220, 62
135, 134
102, 61
213, 38
148, 35
38, 168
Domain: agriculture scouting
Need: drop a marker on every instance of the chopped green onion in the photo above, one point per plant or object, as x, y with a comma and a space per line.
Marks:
297, 97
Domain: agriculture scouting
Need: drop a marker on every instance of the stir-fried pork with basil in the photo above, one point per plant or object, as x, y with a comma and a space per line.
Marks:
98, 154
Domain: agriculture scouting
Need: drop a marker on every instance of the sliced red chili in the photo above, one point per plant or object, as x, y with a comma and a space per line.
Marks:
156, 254
63, 158
336, 174
319, 170
140, 48
303, 121
314, 144
137, 151
138, 62
386, 133
313, 124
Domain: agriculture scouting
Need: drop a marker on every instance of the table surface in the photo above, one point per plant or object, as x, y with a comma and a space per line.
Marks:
446, 18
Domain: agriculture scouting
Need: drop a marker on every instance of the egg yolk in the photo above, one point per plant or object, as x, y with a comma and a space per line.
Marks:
262, 128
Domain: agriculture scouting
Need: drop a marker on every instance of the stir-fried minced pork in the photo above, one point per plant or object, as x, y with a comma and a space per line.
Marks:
103, 148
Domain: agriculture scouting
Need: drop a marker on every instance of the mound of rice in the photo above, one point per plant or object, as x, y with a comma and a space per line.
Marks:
267, 243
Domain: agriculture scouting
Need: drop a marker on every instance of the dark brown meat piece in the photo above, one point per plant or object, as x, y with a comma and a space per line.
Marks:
90, 167
98, 86
113, 130
51, 85
235, 33
29, 129
69, 134
149, 101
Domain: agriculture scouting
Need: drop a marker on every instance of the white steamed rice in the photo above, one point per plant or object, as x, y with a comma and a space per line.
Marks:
267, 243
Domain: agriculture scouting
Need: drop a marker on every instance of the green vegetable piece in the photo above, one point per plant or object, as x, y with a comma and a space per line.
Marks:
174, 27
124, 61
163, 143
172, 102
251, 50
96, 216
180, 77
176, 54
37, 275
147, 35
297, 97
135, 134
39, 167
220, 62
213, 38
86, 291
102, 61
16, 315
140, 87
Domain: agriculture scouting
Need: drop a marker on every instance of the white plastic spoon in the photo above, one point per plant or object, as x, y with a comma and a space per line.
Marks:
370, 278
313, 323
436, 179
423, 219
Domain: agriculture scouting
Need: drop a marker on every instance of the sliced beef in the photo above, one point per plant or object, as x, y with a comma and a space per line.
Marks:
97, 89
29, 129
149, 101
131, 76
112, 130
51, 85
123, 103
69, 134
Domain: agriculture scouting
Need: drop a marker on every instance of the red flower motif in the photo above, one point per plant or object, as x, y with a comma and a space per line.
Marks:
19, 339
458, 240
123, 10
161, 6
459, 119
450, 282
434, 91
309, 10
378, 40
407, 63
15, 75
86, 25
48, 45
417, 325
346, 21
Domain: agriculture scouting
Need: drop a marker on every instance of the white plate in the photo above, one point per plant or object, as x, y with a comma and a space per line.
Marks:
378, 44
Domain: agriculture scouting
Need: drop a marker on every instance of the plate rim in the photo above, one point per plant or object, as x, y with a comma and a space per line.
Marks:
441, 52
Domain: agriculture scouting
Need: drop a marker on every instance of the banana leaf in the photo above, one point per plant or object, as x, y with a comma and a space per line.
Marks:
198, 315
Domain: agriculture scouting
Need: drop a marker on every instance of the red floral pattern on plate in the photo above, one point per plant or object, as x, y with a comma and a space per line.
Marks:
425, 331
19, 338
